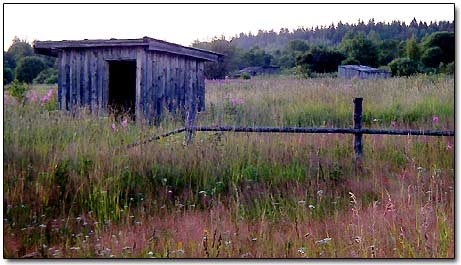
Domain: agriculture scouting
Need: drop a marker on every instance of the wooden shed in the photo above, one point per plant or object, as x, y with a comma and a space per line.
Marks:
142, 76
362, 72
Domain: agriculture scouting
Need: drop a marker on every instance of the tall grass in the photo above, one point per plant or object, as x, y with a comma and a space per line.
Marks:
70, 192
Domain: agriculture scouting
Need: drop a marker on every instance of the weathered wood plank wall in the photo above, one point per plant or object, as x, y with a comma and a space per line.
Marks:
164, 81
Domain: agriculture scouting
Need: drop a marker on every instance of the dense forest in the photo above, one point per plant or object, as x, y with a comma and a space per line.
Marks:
333, 35
403, 49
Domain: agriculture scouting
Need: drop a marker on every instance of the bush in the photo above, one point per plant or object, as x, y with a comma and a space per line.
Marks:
320, 60
8, 61
18, 89
350, 61
447, 68
7, 75
403, 67
432, 57
245, 76
47, 76
445, 41
28, 68
52, 80
361, 48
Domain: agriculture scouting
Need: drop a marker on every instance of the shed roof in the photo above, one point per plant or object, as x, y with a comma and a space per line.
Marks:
51, 47
257, 68
363, 68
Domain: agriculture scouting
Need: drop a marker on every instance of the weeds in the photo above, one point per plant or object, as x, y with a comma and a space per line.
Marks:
67, 193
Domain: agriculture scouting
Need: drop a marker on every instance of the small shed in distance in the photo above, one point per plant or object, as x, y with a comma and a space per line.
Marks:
142, 76
362, 72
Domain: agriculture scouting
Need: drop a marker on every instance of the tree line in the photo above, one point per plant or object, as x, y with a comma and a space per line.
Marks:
334, 34
403, 49
20, 63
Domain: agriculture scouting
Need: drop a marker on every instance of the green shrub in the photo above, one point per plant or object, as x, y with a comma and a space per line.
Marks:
447, 68
53, 79
245, 76
320, 59
47, 76
28, 68
432, 57
443, 40
7, 75
350, 61
403, 67
18, 89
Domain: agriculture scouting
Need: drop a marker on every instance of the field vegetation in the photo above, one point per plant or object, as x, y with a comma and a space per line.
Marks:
71, 189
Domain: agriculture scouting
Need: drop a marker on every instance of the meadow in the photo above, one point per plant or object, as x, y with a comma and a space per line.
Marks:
71, 191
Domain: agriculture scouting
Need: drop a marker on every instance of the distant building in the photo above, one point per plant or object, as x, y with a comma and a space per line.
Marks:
362, 72
258, 70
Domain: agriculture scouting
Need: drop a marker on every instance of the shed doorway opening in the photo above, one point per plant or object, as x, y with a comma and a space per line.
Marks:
122, 87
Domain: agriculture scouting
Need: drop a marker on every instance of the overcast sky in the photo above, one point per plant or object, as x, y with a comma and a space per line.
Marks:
183, 24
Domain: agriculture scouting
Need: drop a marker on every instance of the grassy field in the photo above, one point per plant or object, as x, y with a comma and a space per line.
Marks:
69, 191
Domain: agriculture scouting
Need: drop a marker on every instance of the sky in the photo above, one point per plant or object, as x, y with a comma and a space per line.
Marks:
183, 24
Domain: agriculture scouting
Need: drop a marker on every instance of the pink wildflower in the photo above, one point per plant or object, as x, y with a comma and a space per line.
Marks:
449, 146
114, 128
32, 96
125, 122
435, 119
45, 98
48, 95
7, 99
236, 101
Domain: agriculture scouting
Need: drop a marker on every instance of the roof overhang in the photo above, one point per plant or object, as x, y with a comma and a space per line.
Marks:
52, 48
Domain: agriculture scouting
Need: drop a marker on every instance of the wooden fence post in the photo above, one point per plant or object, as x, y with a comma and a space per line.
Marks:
358, 145
190, 123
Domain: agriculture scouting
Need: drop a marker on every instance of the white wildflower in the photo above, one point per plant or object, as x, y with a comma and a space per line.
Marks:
324, 241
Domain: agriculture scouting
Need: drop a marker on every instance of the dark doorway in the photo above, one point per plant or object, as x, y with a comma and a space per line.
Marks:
122, 87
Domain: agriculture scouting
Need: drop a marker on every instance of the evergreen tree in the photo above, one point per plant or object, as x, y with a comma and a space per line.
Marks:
412, 49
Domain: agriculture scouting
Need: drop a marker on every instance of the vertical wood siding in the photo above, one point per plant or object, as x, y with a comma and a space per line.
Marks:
163, 81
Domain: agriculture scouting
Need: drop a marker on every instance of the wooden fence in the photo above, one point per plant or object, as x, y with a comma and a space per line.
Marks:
357, 130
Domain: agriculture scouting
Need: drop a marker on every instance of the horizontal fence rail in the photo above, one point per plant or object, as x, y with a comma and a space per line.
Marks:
156, 137
357, 131
319, 130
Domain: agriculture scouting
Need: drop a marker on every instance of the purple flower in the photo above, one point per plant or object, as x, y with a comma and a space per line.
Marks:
449, 146
114, 128
435, 119
125, 122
